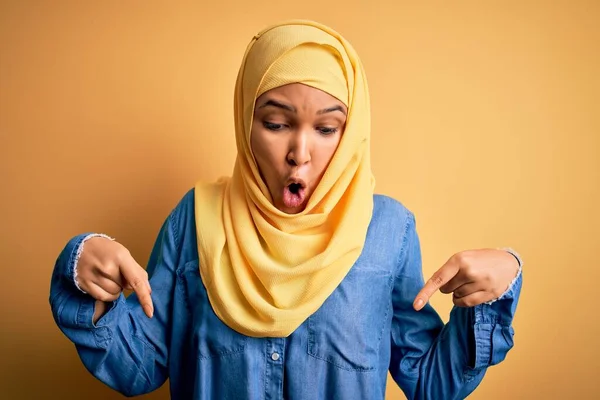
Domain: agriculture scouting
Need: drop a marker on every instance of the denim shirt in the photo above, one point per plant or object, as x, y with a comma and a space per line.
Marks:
344, 350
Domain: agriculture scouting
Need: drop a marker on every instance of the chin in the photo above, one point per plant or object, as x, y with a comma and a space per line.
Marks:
290, 210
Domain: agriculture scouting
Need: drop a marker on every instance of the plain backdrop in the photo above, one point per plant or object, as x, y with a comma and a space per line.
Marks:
486, 124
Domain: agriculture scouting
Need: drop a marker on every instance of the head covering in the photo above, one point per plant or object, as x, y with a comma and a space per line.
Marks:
266, 271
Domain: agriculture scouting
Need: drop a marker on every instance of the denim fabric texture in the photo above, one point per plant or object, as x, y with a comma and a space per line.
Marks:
366, 328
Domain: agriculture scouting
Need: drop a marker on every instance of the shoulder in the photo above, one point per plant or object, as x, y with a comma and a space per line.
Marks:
183, 210
182, 224
387, 209
390, 227
393, 226
187, 201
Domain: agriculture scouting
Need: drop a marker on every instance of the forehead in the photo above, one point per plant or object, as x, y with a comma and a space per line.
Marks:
300, 93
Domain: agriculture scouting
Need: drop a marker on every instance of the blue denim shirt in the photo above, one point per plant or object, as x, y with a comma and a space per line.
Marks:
366, 328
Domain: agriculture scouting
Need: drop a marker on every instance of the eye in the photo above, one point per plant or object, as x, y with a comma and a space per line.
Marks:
273, 127
327, 131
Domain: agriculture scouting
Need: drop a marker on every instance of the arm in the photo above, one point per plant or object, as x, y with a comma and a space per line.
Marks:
431, 360
124, 349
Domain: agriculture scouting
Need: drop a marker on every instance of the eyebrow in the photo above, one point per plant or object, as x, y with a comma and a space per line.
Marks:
287, 107
274, 103
332, 109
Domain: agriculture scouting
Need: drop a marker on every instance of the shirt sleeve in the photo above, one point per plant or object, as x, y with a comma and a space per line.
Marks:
124, 349
433, 360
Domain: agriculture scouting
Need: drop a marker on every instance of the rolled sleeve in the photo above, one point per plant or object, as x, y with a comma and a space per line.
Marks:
493, 330
431, 359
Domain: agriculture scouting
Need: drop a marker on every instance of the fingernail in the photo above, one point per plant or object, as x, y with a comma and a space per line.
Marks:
418, 303
149, 311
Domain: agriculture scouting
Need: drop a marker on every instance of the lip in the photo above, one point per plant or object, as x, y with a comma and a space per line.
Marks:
299, 181
295, 200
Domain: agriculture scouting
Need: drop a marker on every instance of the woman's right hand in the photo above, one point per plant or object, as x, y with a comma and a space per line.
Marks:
105, 268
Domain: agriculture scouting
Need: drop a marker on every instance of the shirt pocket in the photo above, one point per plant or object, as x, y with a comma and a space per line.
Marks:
210, 336
346, 330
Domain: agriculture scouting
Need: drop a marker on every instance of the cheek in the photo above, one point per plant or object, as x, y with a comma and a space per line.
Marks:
264, 152
255, 144
325, 152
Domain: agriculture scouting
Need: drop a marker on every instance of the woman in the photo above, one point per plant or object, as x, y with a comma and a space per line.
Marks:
290, 279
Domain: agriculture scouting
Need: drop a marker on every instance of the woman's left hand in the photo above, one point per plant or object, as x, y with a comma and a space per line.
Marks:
473, 277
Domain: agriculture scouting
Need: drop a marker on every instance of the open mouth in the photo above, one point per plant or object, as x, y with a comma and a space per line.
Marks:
294, 194
295, 187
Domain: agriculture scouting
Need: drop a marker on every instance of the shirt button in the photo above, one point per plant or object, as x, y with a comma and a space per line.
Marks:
275, 356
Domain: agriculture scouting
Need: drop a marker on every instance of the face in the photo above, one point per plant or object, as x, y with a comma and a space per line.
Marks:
295, 133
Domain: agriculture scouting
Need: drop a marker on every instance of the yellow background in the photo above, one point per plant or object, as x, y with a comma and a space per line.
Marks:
486, 123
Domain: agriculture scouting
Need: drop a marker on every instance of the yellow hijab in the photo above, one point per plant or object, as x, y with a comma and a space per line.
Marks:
266, 271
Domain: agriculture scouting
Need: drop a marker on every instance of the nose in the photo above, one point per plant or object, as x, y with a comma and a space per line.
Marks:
299, 152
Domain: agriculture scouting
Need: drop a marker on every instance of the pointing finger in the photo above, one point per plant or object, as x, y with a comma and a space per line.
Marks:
439, 279
136, 277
